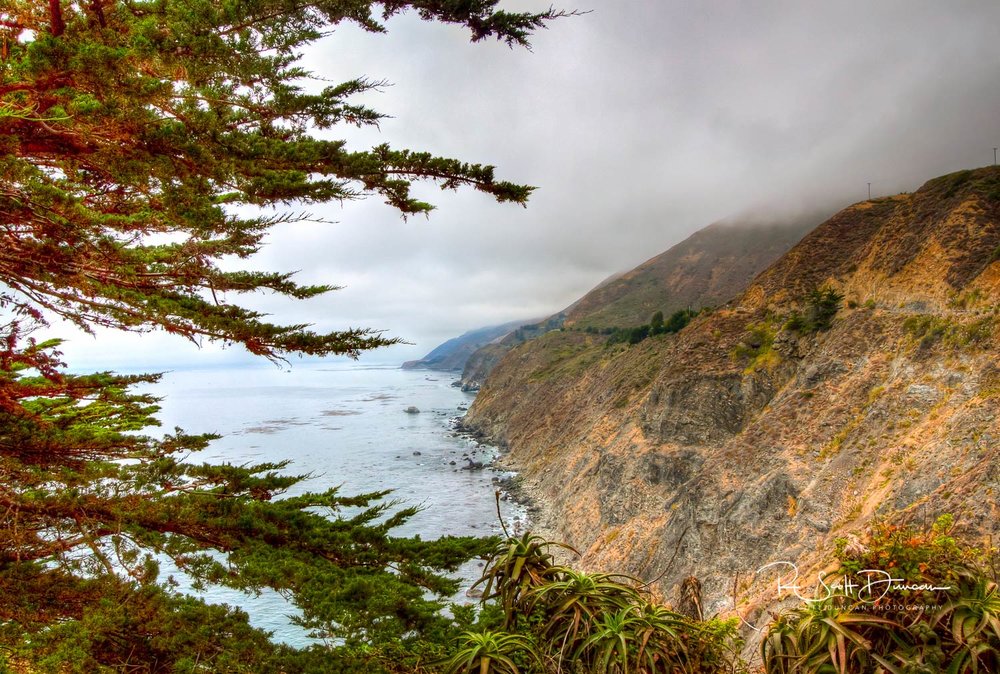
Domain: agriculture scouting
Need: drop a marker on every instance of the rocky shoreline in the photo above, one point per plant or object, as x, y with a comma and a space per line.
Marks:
514, 487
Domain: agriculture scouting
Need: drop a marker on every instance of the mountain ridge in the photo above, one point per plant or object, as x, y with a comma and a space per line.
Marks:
452, 354
684, 276
747, 437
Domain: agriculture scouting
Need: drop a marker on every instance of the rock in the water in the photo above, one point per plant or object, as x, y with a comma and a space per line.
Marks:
412, 410
473, 465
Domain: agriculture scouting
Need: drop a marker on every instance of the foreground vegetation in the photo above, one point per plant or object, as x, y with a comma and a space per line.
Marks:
541, 618
147, 149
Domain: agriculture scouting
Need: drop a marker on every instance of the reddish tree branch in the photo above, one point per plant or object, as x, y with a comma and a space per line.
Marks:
57, 26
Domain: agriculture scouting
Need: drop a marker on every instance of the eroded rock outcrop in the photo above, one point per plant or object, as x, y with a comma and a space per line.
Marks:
708, 453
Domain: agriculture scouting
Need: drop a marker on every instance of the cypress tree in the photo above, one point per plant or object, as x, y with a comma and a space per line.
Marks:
141, 142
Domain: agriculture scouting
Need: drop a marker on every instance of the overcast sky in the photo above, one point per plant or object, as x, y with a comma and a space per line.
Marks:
640, 123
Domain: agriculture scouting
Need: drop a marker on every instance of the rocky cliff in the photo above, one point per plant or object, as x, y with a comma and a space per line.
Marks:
760, 432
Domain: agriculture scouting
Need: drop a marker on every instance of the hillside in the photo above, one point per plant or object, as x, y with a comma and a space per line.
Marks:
453, 354
755, 434
706, 269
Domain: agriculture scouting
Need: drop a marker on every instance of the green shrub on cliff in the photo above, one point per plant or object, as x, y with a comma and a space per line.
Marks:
677, 321
821, 306
657, 326
939, 613
755, 349
557, 619
929, 330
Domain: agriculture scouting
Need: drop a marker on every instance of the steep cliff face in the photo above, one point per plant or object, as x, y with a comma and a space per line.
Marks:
706, 269
480, 363
751, 437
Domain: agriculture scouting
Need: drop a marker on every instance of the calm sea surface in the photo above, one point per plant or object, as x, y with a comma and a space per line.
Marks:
347, 425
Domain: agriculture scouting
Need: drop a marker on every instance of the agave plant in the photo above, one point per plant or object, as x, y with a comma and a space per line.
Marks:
515, 568
490, 652
822, 637
575, 601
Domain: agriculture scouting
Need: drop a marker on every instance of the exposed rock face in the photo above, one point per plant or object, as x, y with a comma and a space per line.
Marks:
481, 363
706, 454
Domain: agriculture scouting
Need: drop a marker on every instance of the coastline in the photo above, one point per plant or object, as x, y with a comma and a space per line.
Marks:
538, 518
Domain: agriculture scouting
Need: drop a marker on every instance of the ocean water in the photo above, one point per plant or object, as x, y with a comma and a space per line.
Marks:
345, 425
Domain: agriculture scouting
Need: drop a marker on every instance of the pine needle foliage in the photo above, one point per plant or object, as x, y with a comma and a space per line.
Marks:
135, 136
147, 148
91, 507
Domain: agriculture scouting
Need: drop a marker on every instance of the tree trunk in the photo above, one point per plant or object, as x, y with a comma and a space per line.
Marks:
55, 18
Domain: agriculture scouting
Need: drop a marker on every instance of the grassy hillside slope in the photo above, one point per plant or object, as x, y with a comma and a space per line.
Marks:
706, 269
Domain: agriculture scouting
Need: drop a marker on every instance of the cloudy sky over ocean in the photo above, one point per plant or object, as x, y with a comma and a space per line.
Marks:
640, 122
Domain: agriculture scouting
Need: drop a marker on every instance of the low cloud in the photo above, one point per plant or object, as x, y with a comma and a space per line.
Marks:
640, 122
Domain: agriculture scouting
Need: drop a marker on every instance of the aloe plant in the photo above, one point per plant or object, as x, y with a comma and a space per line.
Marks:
780, 647
643, 637
970, 624
960, 636
515, 568
574, 603
597, 623
490, 652
821, 638
614, 644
